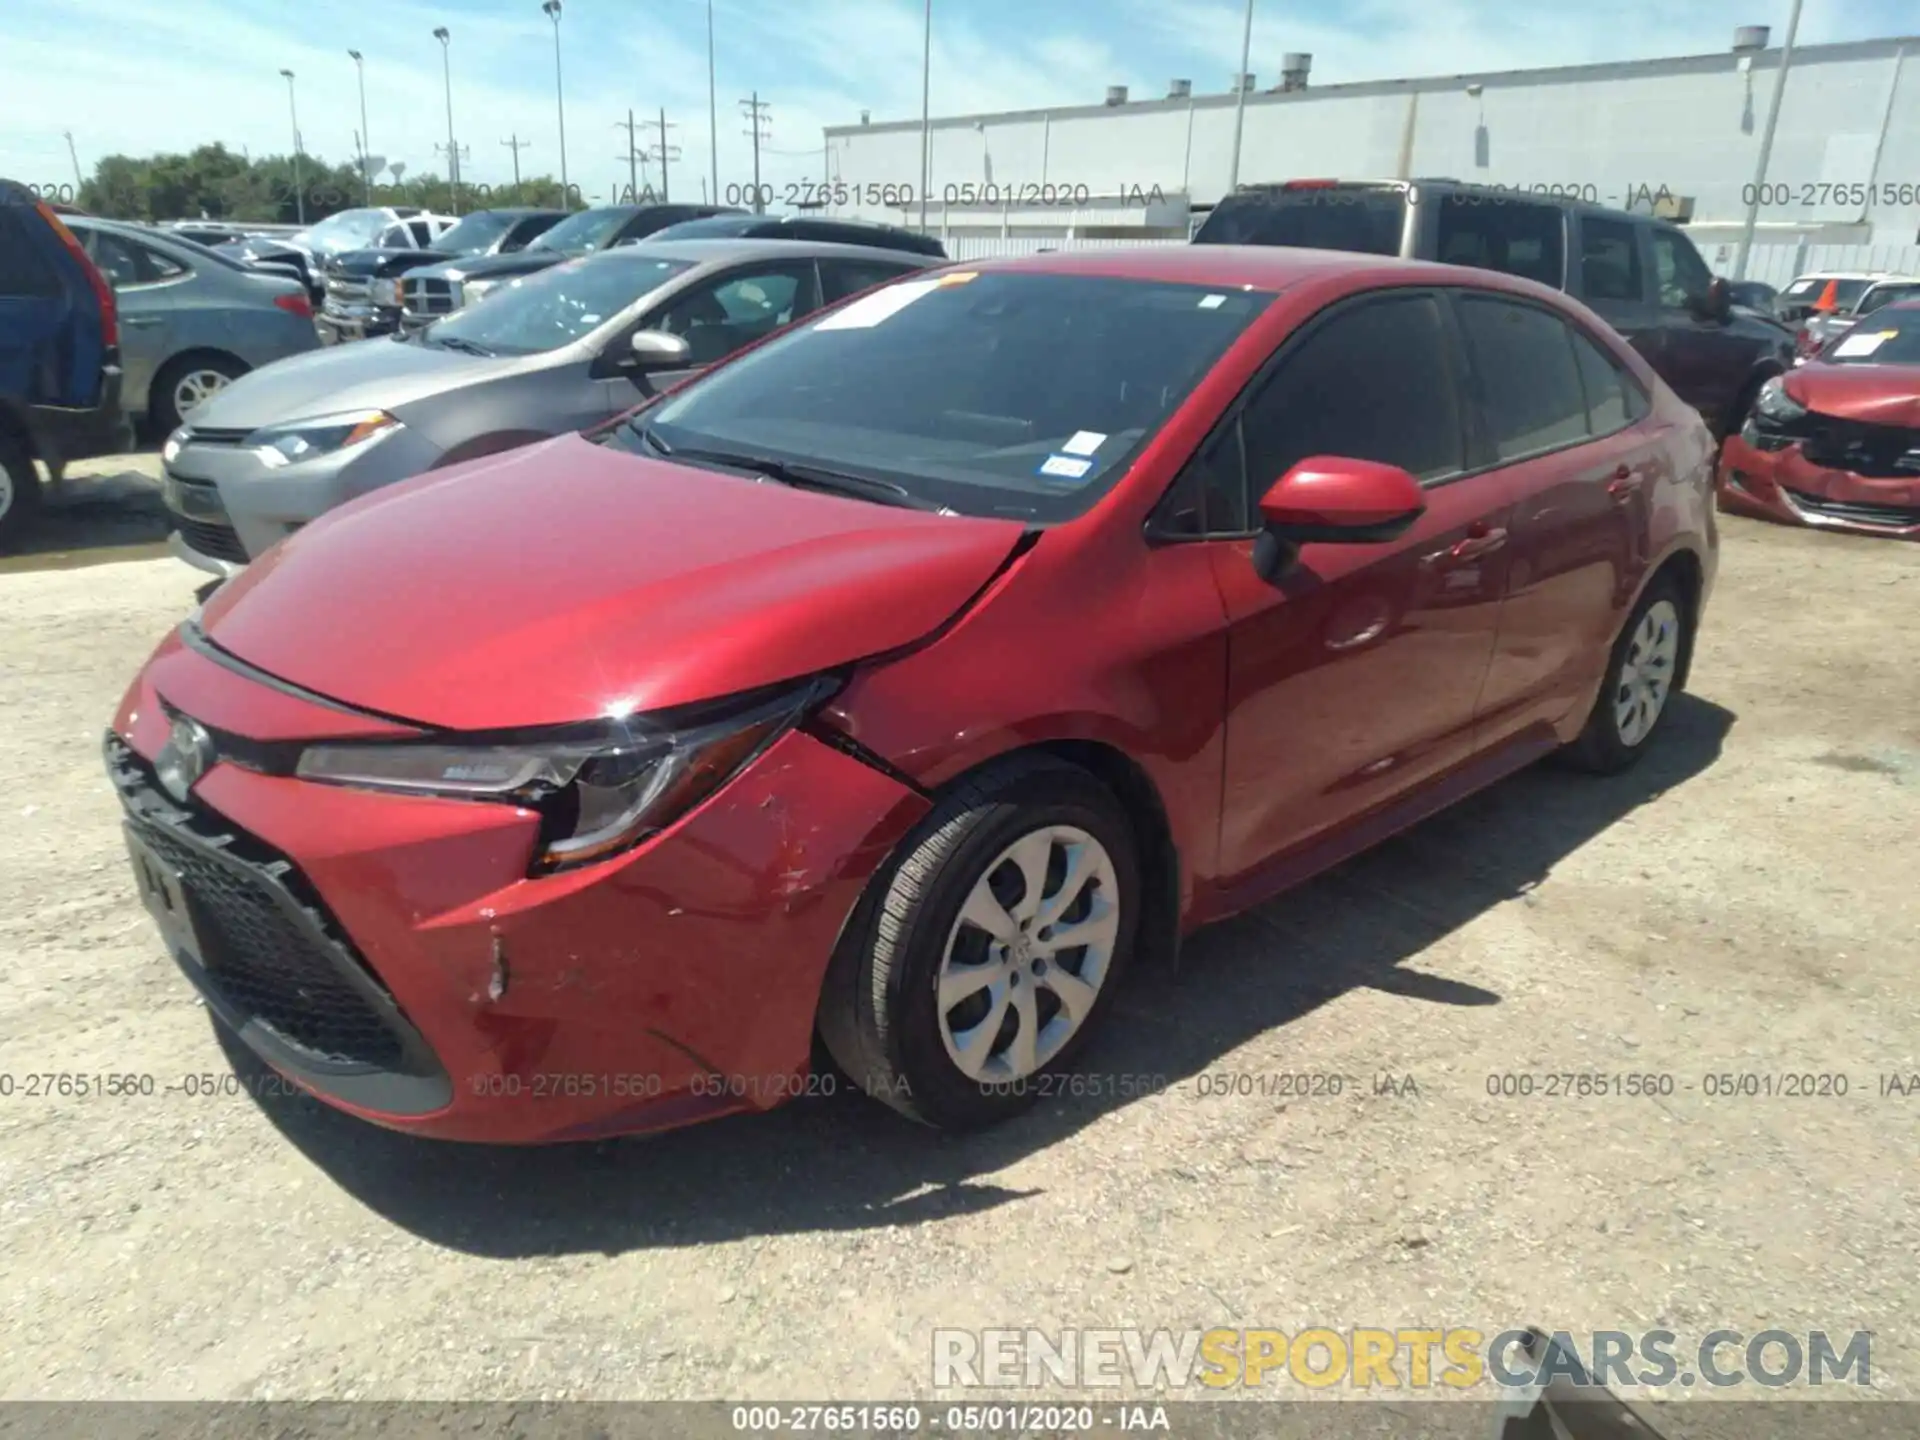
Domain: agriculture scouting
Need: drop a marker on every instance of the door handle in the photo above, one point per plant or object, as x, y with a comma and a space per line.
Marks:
1478, 542
1624, 483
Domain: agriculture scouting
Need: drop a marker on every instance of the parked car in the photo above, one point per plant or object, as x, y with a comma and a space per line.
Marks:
1642, 275
742, 226
363, 286
904, 679
1754, 295
561, 350
1836, 443
430, 291
191, 319
1820, 326
1822, 292
304, 253
60, 377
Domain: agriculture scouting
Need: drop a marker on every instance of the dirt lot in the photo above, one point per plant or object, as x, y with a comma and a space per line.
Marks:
1744, 903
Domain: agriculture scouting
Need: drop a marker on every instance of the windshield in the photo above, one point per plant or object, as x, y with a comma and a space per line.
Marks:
349, 230
554, 307
1891, 338
582, 233
1886, 294
475, 233
1009, 394
1362, 219
1845, 292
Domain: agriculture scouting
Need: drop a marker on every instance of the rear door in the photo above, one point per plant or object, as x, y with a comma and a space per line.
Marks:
54, 346
1559, 417
146, 284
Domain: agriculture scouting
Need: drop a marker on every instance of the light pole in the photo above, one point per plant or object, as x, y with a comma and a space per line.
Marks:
713, 110
926, 115
299, 190
453, 150
1240, 100
366, 140
552, 11
1766, 145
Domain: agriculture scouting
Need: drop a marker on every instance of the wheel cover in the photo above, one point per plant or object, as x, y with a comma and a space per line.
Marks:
1646, 674
6, 492
1027, 957
195, 388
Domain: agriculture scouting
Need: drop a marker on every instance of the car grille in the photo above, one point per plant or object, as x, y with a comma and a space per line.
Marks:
1879, 450
201, 519
349, 289
428, 296
207, 435
209, 538
1855, 511
272, 953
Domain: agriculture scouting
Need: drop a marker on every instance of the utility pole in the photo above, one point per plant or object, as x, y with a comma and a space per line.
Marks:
552, 11
926, 116
299, 189
454, 156
1240, 100
760, 127
632, 157
713, 114
516, 144
363, 139
74, 156
1766, 145
453, 150
663, 151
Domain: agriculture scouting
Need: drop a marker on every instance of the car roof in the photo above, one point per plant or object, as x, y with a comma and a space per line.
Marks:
714, 252
1258, 267
517, 210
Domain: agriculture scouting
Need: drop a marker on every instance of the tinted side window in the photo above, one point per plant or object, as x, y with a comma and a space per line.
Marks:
1372, 383
1528, 379
1609, 261
1609, 392
527, 229
724, 314
121, 261
842, 278
422, 234
24, 268
1495, 234
1682, 274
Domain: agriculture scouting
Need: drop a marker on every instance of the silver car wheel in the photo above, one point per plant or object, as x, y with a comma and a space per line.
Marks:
196, 387
1028, 954
6, 492
1646, 675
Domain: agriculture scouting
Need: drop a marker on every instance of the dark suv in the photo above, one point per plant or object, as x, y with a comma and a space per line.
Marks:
1640, 274
806, 227
59, 355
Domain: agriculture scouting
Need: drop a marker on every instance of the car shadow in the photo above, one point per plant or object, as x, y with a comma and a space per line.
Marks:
845, 1163
101, 511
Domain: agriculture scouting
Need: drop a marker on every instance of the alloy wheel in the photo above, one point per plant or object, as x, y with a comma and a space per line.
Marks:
195, 388
1027, 956
1646, 675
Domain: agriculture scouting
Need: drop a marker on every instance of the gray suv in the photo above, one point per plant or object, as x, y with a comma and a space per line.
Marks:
559, 350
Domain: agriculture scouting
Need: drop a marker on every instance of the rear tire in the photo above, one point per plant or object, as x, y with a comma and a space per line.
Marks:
1643, 673
19, 492
183, 377
951, 996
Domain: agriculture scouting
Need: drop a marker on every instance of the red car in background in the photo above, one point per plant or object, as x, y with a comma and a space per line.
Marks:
903, 678
1835, 443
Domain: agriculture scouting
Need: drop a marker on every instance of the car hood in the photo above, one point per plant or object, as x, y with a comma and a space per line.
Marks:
383, 262
370, 375
567, 581
491, 267
1874, 394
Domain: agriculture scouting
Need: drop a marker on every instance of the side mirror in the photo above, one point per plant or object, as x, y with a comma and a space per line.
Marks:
1334, 500
658, 350
1717, 303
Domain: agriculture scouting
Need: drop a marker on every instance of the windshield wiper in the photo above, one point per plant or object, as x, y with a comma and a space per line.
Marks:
803, 477
463, 345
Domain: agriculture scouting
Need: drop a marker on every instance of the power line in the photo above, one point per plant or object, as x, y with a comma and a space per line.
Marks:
662, 151
633, 157
759, 115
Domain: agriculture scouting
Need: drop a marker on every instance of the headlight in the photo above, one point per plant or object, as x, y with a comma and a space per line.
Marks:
597, 793
279, 445
172, 448
1776, 404
386, 292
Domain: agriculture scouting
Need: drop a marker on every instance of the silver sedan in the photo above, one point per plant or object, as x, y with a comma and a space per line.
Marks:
191, 321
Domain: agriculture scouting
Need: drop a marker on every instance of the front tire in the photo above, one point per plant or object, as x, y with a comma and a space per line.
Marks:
986, 955
1642, 674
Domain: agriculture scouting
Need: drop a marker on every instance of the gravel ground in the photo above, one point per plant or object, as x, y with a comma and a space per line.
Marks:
1743, 903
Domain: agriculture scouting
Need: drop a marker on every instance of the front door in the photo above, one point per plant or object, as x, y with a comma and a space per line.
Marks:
1354, 674
1703, 359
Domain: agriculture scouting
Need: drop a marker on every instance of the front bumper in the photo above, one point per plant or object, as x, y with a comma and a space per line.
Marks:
672, 983
338, 325
1785, 486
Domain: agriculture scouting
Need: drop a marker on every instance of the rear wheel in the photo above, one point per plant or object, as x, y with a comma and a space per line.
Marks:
186, 383
982, 961
1642, 674
19, 491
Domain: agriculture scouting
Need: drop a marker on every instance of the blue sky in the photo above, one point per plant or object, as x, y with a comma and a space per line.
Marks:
142, 75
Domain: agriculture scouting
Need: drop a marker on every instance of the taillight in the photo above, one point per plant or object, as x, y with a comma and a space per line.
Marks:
295, 304
102, 291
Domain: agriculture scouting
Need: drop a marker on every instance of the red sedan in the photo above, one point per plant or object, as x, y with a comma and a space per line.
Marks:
902, 680
1836, 442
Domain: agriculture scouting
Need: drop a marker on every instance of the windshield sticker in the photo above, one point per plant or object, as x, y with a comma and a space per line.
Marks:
1212, 302
1084, 442
1066, 467
1864, 344
865, 313
959, 277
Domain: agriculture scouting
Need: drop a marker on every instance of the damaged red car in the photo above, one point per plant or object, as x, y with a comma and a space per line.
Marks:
903, 680
1835, 443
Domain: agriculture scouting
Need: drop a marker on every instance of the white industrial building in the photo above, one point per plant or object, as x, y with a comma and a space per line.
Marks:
1844, 169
